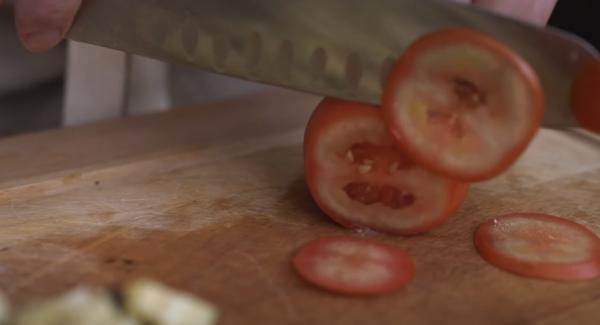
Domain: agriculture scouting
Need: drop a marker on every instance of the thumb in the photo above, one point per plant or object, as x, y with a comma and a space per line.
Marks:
42, 24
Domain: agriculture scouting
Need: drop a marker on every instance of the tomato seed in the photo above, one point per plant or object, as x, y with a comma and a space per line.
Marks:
469, 93
387, 195
449, 121
364, 169
349, 156
361, 151
371, 155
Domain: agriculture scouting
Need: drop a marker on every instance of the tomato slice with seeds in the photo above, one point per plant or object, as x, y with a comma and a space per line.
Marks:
351, 265
462, 104
360, 179
541, 246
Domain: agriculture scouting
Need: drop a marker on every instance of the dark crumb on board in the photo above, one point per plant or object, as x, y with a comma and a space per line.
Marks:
4, 249
128, 261
110, 260
96, 183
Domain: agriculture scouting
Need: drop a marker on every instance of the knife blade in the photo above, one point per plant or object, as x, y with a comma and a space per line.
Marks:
338, 48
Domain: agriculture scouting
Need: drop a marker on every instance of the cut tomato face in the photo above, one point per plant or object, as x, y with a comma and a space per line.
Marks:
462, 104
360, 179
354, 266
541, 246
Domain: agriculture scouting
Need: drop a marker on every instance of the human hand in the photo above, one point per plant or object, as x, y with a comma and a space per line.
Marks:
532, 11
42, 24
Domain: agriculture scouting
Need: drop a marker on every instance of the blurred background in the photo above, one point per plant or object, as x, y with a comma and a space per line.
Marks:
76, 84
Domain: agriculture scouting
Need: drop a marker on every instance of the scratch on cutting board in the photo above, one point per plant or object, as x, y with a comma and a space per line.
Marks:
20, 258
12, 208
283, 297
19, 285
566, 311
565, 175
111, 201
280, 221
36, 187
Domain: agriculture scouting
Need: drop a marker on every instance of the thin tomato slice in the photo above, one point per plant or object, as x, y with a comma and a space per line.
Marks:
360, 179
541, 246
462, 104
351, 265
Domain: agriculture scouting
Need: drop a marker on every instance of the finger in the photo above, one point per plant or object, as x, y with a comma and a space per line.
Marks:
42, 24
537, 12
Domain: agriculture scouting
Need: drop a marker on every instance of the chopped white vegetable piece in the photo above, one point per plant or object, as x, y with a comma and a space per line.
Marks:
158, 304
79, 306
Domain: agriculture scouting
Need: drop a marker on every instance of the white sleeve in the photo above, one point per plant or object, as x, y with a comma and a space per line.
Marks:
94, 84
102, 83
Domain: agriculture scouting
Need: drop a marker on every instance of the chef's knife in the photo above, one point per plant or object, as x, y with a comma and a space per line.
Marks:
339, 48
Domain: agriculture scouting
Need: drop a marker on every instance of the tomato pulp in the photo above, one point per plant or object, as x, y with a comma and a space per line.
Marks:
360, 179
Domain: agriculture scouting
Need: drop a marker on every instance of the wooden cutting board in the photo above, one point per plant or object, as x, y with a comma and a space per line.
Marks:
212, 200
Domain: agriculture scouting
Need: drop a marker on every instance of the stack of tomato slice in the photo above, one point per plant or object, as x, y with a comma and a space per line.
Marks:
459, 107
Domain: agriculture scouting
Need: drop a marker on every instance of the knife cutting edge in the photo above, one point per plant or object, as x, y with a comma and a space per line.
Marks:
338, 48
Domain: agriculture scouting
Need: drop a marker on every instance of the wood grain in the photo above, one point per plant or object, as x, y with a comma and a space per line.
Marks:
212, 200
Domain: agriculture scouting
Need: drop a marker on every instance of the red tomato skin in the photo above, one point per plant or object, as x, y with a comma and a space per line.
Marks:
584, 270
329, 112
585, 98
402, 260
404, 67
461, 191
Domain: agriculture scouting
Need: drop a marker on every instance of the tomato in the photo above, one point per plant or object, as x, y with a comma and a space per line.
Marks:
585, 100
360, 179
462, 104
460, 194
538, 245
351, 265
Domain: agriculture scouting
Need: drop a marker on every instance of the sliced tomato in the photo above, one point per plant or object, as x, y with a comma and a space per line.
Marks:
462, 104
461, 190
360, 179
541, 246
351, 265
